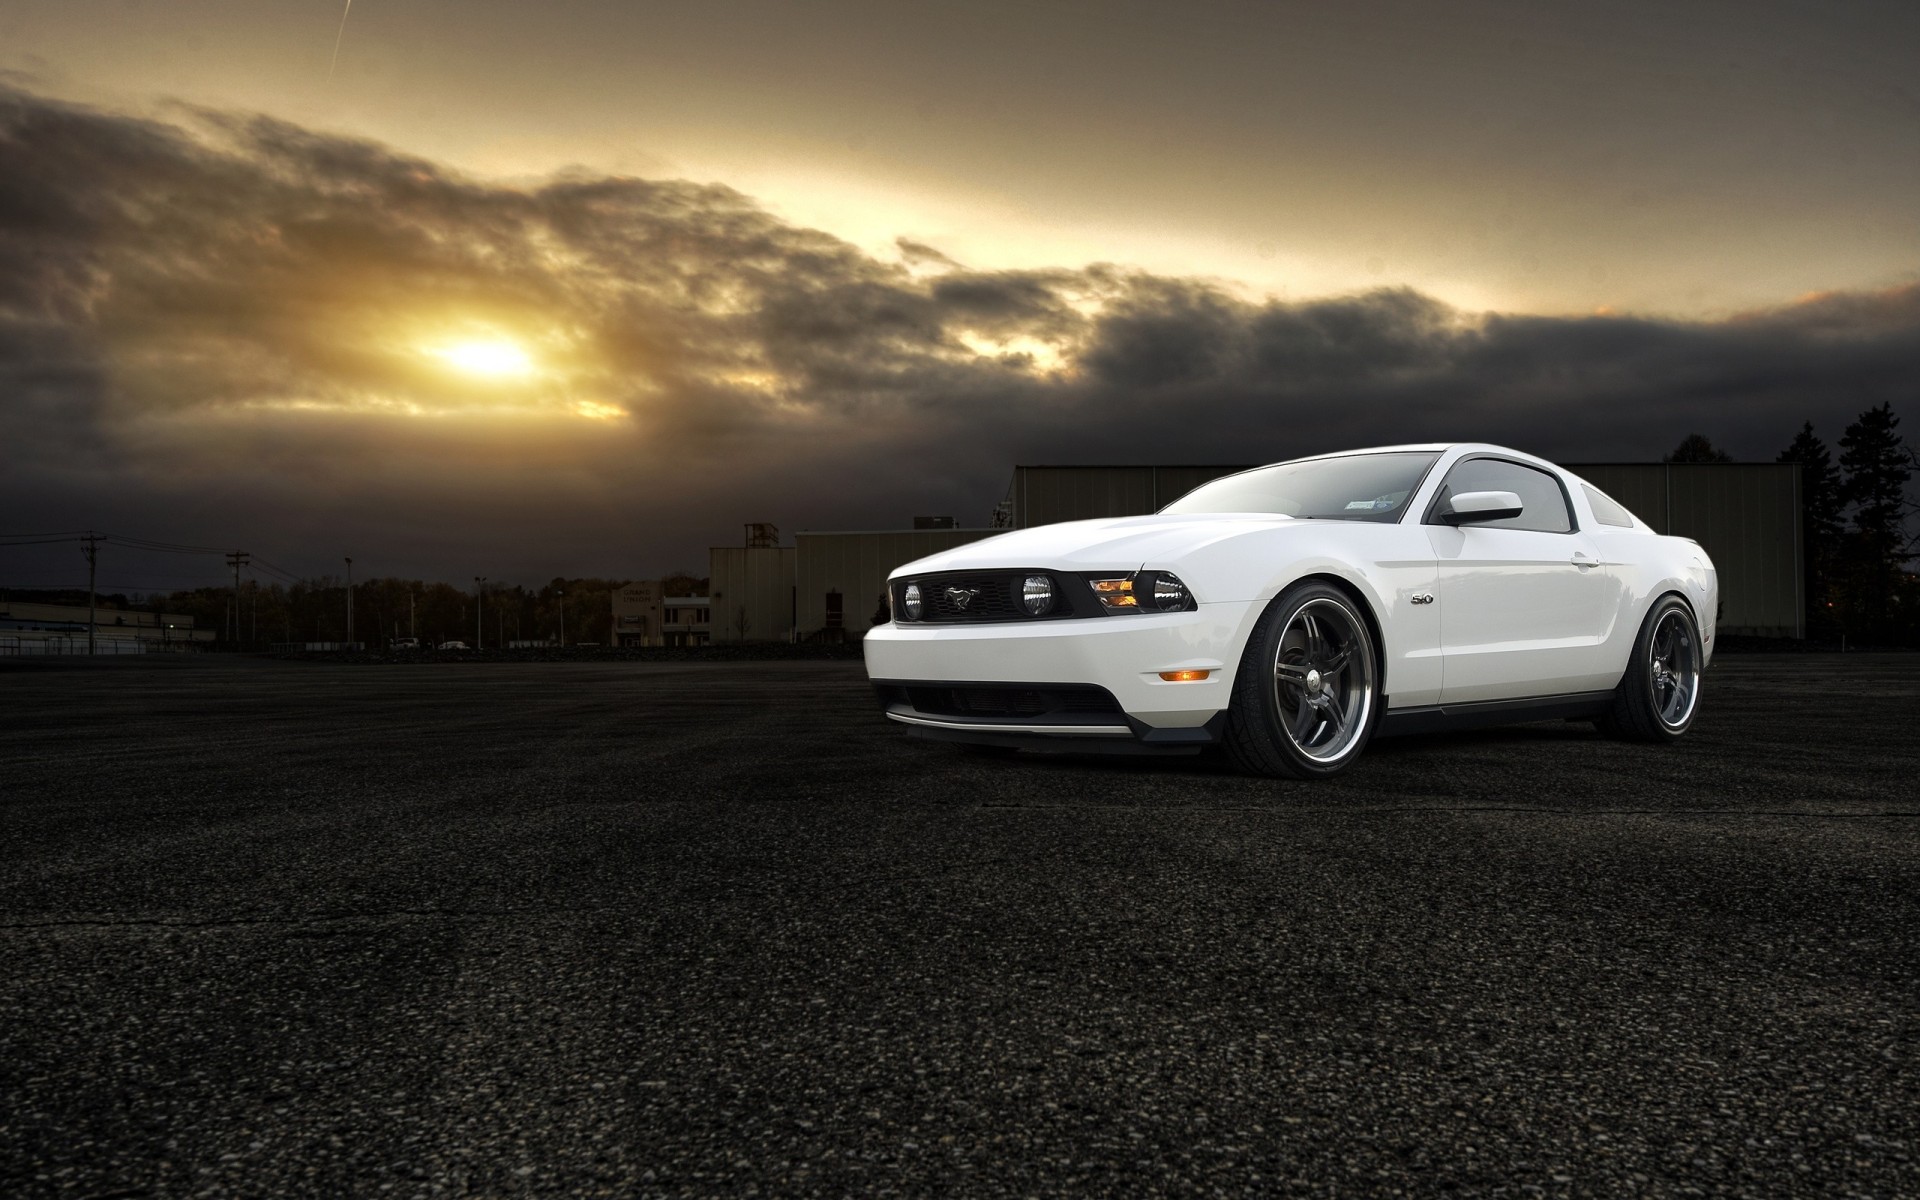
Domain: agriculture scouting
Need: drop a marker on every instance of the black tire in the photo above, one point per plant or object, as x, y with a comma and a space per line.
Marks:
1281, 720
1667, 655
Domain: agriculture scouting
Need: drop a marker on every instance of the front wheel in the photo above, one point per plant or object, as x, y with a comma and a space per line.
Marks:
1660, 692
1307, 695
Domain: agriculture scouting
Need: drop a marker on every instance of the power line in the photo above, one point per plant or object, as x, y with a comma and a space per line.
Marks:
282, 572
119, 539
137, 543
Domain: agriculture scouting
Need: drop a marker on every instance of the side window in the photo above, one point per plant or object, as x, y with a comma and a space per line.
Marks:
1545, 504
1606, 509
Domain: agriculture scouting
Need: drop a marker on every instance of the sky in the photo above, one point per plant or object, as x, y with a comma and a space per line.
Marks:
581, 286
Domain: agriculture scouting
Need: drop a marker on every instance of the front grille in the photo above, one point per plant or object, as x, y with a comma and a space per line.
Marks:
970, 598
1010, 700
955, 597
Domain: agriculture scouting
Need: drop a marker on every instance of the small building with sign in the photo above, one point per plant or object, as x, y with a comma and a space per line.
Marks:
644, 616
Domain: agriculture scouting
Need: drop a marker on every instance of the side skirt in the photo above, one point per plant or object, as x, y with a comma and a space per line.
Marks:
1437, 718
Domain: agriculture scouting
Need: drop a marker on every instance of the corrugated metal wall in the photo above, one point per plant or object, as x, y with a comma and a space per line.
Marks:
856, 565
1046, 495
755, 582
1747, 515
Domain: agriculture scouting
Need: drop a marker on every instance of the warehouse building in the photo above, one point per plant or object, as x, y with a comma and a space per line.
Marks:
841, 577
827, 586
1049, 495
751, 587
63, 629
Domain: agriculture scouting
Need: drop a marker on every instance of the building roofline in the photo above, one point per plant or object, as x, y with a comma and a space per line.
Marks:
845, 532
1658, 463
1130, 466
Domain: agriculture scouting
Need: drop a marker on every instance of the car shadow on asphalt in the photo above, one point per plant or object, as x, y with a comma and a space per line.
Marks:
1517, 740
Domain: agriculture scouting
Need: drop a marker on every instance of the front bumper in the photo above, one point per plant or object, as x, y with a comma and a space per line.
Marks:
1029, 714
1123, 654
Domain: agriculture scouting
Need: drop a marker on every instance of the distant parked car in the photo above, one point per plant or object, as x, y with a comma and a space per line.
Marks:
455, 646
1293, 611
407, 643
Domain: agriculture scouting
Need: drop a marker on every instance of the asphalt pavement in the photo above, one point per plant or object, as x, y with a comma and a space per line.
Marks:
273, 928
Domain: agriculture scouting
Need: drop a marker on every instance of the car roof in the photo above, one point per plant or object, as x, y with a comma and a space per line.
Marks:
1424, 448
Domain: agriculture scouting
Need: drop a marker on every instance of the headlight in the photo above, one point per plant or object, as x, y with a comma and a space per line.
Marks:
910, 601
1144, 591
1036, 592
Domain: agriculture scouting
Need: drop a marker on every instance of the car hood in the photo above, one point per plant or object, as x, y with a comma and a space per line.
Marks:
1110, 543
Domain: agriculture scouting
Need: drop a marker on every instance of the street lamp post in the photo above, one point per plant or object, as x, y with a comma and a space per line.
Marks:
479, 605
563, 617
349, 605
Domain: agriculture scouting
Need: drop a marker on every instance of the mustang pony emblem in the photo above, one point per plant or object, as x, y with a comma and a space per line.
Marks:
960, 597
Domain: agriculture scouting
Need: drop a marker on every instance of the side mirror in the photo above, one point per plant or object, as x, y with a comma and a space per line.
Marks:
1470, 508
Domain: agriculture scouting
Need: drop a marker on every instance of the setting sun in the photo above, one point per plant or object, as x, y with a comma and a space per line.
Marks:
493, 357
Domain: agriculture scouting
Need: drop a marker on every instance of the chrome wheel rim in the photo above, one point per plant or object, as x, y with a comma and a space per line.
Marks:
1673, 668
1323, 679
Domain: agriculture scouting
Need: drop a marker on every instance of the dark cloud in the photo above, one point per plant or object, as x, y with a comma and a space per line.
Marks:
219, 328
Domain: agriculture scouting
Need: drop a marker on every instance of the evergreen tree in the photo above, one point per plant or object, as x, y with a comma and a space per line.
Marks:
1876, 465
1695, 448
1821, 530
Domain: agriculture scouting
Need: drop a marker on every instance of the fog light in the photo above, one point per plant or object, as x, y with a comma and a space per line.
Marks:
910, 601
1184, 676
1037, 594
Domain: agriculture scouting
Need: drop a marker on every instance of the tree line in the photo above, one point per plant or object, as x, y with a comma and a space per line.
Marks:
1857, 527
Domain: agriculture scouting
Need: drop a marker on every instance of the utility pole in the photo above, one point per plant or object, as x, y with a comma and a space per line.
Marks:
413, 631
236, 560
563, 617
349, 603
92, 551
479, 606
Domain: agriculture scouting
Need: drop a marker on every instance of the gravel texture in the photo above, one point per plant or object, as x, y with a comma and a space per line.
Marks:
698, 929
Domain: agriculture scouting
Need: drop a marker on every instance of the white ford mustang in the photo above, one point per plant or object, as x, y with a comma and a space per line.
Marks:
1293, 611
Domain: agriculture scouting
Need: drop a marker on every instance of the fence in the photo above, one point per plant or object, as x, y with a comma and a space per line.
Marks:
12, 646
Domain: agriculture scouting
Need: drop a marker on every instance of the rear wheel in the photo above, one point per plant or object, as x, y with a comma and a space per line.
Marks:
1307, 698
1660, 692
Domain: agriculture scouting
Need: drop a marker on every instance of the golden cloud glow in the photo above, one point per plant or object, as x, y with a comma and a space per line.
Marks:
1041, 355
593, 410
492, 358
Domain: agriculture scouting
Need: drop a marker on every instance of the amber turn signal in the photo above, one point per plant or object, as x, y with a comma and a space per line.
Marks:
1184, 676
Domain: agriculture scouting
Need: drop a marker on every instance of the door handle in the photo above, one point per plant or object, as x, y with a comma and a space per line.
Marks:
1582, 559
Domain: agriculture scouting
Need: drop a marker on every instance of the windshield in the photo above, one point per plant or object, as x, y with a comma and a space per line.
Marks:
1354, 487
